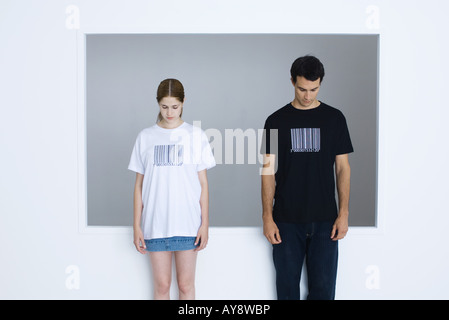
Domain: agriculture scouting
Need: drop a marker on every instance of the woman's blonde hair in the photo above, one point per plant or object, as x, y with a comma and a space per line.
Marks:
170, 88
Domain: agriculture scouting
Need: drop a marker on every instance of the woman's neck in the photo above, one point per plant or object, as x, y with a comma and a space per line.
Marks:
172, 125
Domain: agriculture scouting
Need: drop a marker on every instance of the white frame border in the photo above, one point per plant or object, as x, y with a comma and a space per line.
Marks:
83, 228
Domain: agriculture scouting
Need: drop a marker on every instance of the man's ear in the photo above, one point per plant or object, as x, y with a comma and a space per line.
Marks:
293, 82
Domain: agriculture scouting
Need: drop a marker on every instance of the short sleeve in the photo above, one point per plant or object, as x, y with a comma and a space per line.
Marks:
265, 145
270, 141
343, 144
135, 163
207, 160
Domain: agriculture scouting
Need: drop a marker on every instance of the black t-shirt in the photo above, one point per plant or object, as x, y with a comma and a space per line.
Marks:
308, 141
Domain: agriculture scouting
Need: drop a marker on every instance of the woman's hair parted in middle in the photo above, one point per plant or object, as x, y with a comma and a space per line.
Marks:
170, 88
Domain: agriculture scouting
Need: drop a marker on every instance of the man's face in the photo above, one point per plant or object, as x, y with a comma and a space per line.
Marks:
306, 92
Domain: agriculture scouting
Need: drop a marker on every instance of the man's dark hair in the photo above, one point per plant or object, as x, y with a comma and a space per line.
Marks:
308, 67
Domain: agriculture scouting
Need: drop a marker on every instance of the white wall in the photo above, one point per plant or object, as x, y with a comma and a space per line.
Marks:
405, 258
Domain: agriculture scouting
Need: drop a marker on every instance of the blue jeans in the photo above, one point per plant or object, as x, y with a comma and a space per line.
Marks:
311, 241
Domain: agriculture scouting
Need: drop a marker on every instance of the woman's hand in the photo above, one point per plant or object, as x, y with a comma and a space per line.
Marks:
139, 241
202, 237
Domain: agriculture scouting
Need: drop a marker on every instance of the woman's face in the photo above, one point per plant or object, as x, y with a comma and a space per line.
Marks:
170, 109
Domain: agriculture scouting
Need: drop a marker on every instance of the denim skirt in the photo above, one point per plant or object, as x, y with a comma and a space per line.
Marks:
171, 244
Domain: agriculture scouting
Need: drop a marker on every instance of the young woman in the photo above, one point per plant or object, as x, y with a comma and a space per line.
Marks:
171, 198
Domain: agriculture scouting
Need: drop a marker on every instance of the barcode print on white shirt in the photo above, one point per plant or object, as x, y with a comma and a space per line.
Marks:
305, 140
168, 155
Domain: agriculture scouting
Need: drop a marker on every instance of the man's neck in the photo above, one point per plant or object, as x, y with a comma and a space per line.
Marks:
297, 105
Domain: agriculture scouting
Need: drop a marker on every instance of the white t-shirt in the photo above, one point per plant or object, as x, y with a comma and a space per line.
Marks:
170, 160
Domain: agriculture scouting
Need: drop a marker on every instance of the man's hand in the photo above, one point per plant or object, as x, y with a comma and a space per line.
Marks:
340, 227
271, 232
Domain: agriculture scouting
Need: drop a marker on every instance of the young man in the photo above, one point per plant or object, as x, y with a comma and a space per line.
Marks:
304, 221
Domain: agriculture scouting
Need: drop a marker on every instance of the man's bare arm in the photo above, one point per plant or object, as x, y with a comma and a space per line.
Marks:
270, 230
343, 177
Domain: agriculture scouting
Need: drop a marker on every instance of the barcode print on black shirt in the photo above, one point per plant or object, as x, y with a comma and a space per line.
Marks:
306, 140
168, 155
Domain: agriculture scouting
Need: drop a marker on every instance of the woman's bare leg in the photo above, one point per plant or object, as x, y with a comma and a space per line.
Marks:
185, 273
162, 265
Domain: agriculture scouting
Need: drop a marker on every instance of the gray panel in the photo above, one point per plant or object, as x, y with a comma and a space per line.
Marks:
232, 81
